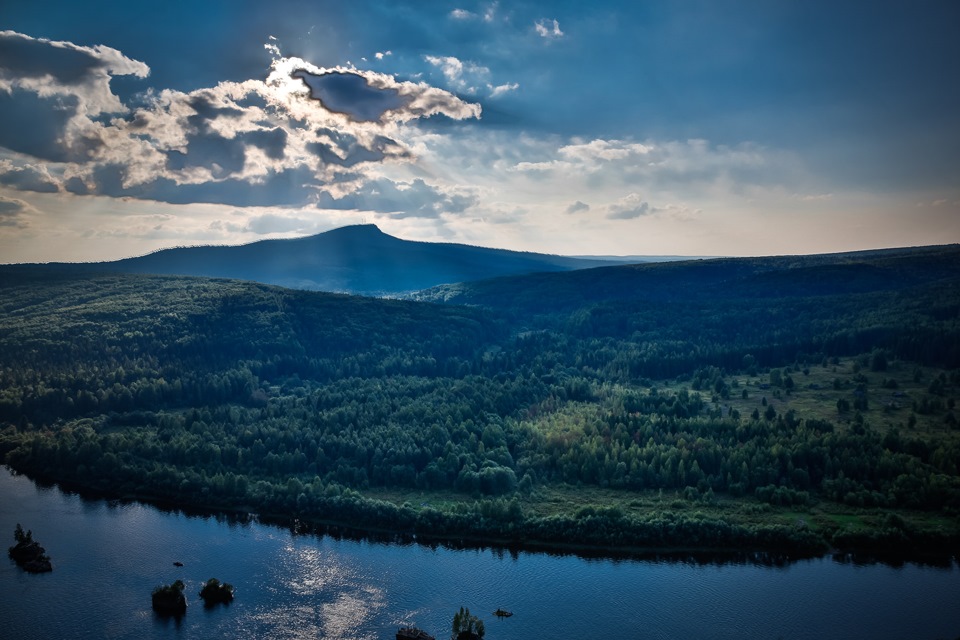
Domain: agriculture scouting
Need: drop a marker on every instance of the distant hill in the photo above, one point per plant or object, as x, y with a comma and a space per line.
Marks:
780, 277
357, 259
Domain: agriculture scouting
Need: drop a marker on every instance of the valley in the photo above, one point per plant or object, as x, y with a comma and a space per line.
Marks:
780, 404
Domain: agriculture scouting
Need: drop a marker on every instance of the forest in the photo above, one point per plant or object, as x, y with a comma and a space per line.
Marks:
797, 404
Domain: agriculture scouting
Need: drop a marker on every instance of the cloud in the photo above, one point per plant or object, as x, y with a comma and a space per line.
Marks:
629, 207
350, 94
633, 206
463, 76
380, 55
489, 14
548, 28
662, 164
592, 156
303, 135
51, 94
600, 150
414, 199
500, 90
415, 99
680, 212
272, 223
12, 212
468, 77
27, 177
51, 68
578, 207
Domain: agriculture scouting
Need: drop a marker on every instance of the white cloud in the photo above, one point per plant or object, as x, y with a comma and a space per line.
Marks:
603, 150
661, 163
380, 55
629, 207
462, 14
548, 28
463, 76
500, 90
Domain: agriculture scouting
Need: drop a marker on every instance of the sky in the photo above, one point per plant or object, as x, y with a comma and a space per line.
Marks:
658, 127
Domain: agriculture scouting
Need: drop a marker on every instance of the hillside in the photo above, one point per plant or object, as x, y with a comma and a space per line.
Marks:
357, 259
767, 403
709, 279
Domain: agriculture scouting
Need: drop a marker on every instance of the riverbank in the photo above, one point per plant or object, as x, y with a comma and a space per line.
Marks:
335, 586
595, 523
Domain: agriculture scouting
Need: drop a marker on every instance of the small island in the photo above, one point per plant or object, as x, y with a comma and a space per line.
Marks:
215, 591
169, 599
413, 633
467, 626
28, 553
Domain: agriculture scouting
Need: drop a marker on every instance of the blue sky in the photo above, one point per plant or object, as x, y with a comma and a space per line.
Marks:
661, 127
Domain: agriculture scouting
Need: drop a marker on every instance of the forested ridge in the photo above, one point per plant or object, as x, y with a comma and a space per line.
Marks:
358, 259
793, 403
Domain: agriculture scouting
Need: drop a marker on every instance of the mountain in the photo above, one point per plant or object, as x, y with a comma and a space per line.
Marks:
358, 259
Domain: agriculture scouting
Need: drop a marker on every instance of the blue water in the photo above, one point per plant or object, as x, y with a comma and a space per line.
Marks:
108, 556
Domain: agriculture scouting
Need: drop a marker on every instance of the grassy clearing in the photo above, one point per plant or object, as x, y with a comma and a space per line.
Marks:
565, 500
898, 397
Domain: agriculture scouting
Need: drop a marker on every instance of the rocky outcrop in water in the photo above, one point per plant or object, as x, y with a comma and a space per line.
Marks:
215, 591
28, 553
169, 599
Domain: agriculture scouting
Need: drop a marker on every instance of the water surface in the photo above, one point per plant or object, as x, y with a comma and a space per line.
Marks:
108, 556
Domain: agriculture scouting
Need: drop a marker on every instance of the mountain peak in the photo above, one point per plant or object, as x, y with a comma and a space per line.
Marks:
357, 258
356, 229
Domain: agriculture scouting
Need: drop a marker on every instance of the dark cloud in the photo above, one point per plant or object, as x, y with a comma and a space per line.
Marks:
36, 126
222, 156
629, 208
578, 207
53, 94
25, 57
76, 186
11, 212
28, 178
351, 95
293, 187
271, 141
346, 150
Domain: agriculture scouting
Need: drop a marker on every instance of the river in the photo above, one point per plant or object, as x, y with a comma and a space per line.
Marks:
108, 556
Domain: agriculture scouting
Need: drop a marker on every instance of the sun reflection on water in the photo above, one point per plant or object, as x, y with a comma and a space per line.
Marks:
318, 595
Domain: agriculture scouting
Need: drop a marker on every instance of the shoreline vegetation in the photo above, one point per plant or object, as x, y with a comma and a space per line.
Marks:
794, 405
936, 545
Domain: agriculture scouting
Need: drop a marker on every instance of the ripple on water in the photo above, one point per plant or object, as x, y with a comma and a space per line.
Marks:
315, 594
